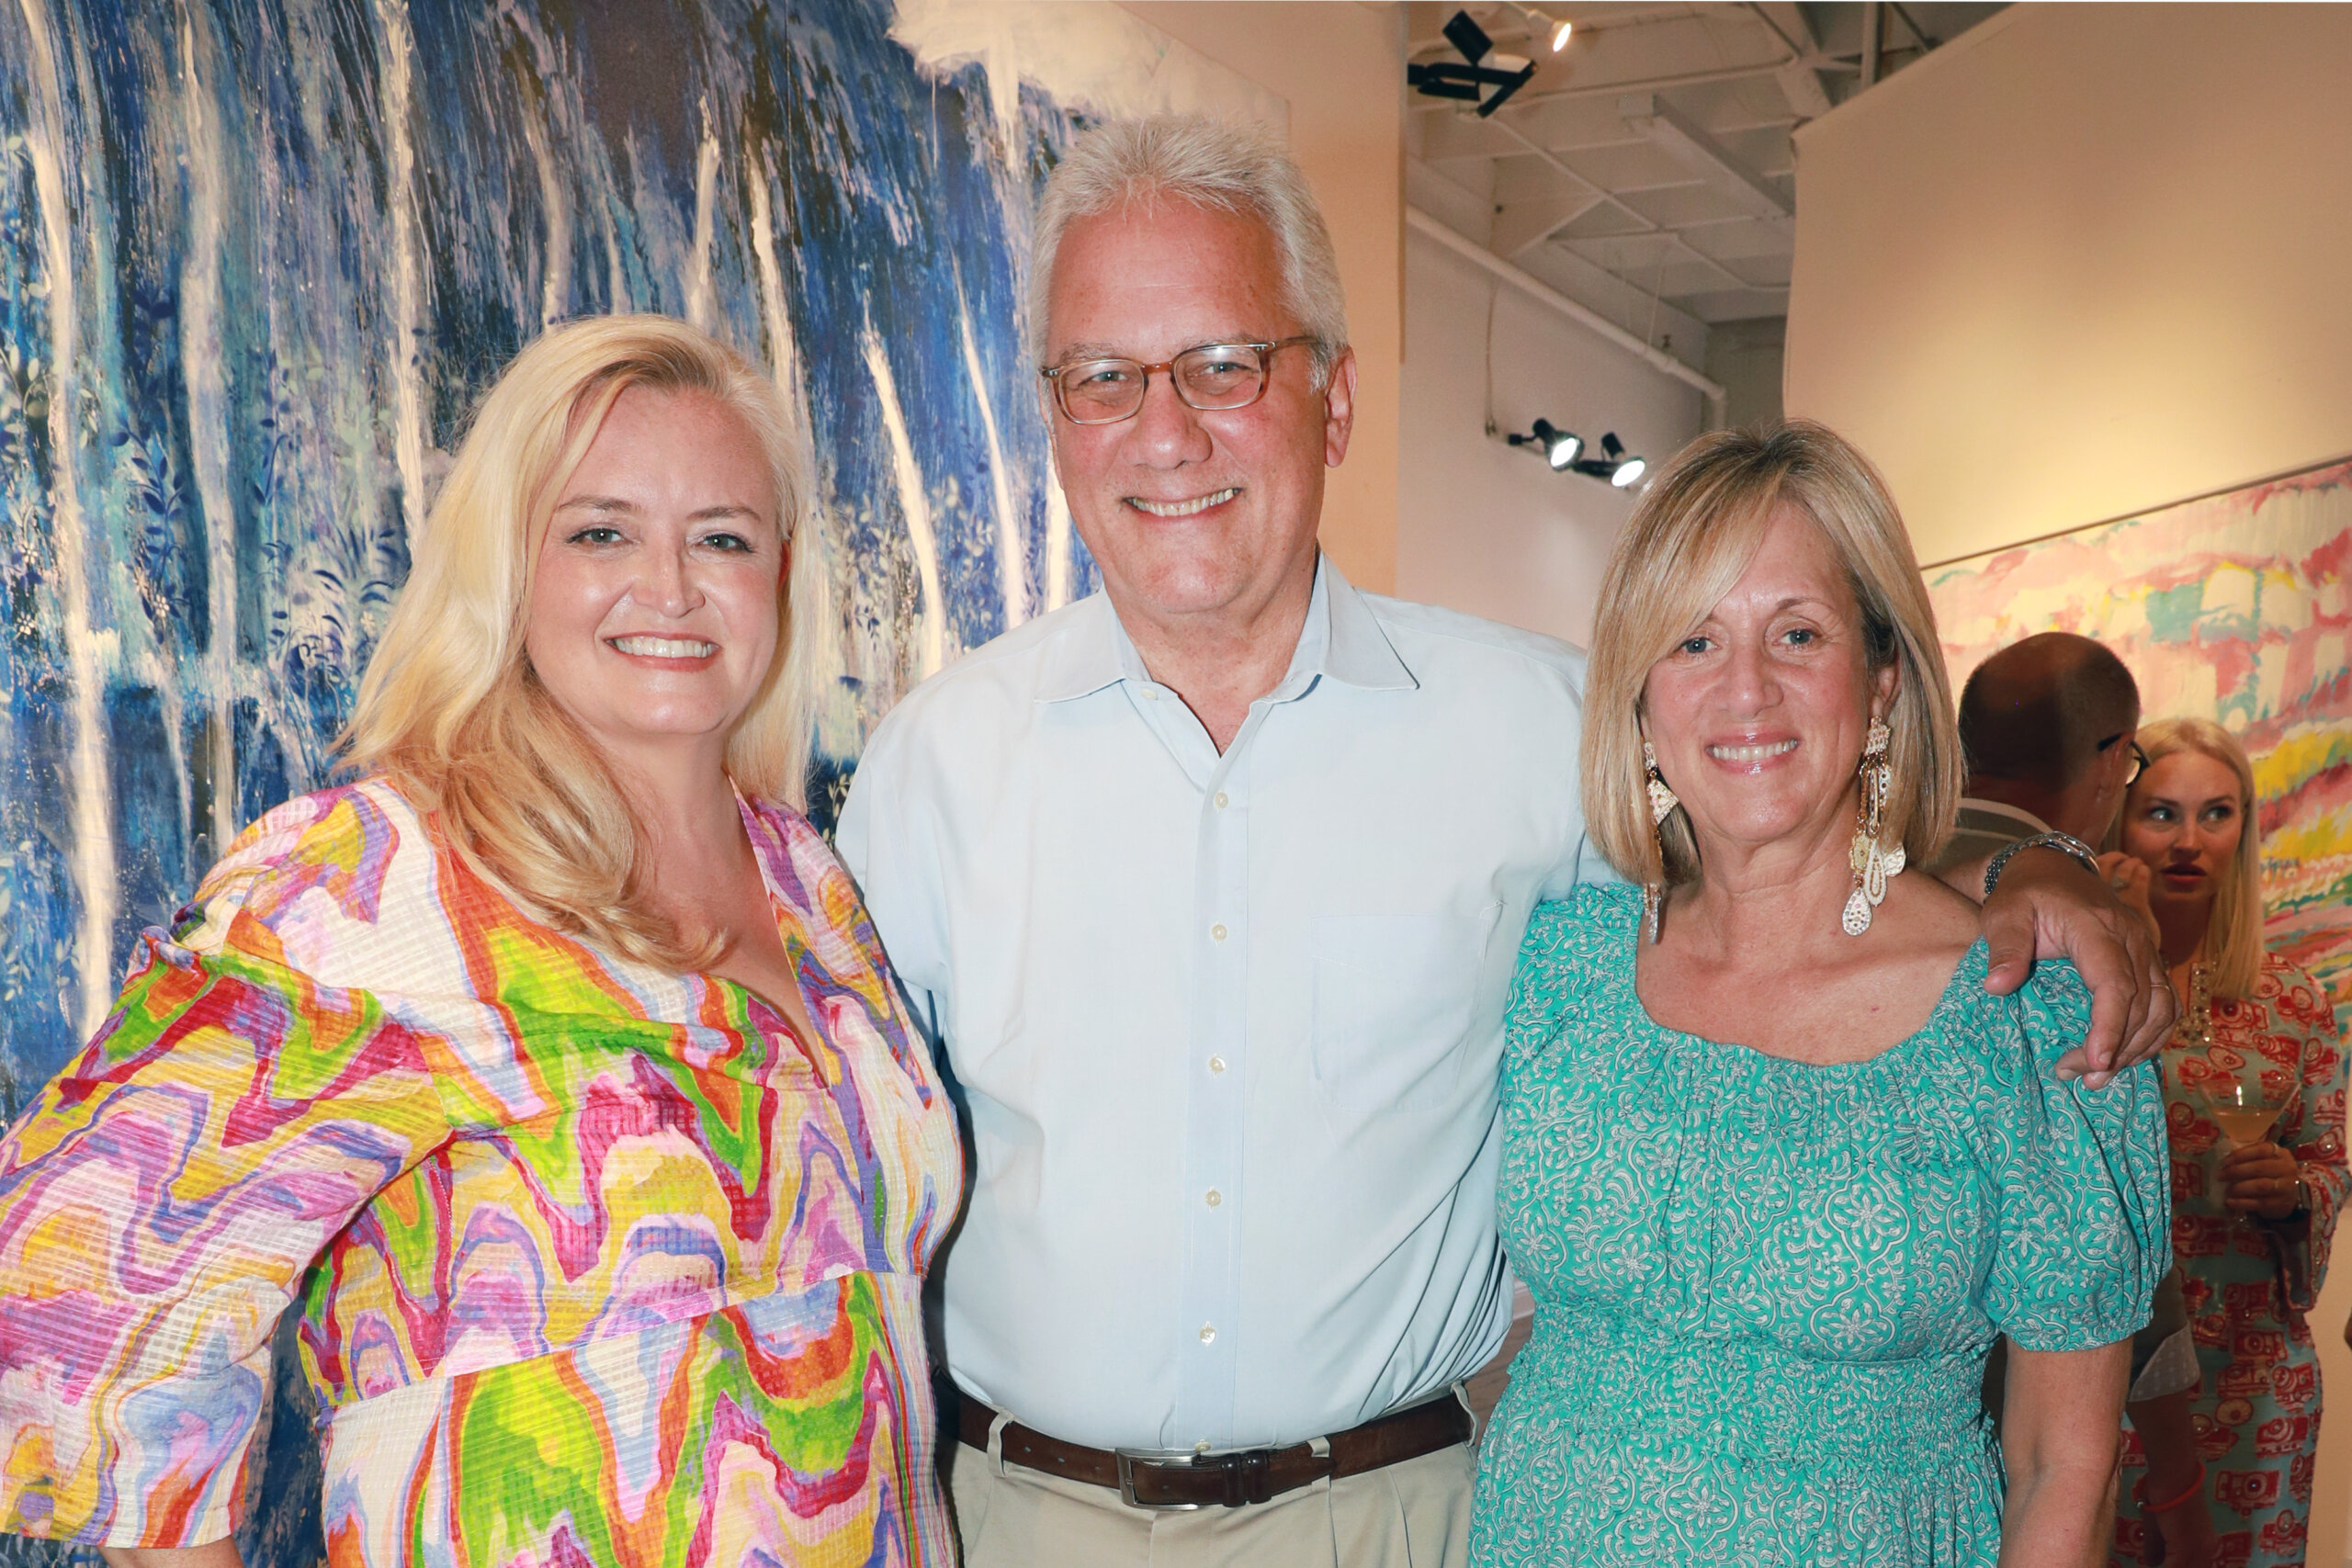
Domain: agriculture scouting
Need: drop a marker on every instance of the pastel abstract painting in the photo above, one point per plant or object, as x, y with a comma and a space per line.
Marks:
256, 257
2236, 608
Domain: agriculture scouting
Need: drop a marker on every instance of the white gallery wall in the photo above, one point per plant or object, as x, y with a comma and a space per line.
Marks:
1489, 528
2083, 261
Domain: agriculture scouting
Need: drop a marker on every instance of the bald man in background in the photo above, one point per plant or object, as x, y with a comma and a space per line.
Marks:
2048, 727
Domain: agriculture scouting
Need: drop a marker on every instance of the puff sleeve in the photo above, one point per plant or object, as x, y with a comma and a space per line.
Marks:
162, 1200
1555, 958
2085, 1209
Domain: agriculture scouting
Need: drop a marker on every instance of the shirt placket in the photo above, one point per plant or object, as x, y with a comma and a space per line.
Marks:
1216, 1078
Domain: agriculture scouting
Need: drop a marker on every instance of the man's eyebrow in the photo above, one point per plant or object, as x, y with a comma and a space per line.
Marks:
1106, 351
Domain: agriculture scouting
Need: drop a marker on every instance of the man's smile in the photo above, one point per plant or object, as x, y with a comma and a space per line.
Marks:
1183, 508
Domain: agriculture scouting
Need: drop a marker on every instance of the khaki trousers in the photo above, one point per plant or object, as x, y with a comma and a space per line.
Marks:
1414, 1515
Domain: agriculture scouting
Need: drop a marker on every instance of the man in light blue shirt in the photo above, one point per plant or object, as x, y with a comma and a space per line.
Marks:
1211, 888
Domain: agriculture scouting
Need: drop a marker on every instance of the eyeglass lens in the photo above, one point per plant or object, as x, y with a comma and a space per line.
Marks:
2139, 757
1218, 376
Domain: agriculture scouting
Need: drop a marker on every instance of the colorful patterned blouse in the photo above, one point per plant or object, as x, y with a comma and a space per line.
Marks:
595, 1263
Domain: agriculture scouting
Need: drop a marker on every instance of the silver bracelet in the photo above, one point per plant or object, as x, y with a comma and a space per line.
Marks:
2064, 843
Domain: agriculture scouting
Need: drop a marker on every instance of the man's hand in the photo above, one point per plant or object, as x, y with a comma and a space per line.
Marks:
2047, 906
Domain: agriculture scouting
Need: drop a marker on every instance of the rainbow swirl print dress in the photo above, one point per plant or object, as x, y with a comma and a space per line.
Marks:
595, 1264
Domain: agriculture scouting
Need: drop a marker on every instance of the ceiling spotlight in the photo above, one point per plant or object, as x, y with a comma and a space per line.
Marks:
1613, 465
1558, 447
1550, 26
1561, 447
1506, 73
1622, 470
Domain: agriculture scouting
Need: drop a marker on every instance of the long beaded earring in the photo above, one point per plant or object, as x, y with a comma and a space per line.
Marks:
1872, 866
1662, 804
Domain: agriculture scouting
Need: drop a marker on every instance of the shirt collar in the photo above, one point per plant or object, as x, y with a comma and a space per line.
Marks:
1342, 638
1092, 653
1357, 653
2032, 825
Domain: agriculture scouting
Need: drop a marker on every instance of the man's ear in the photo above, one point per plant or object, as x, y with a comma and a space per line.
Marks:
1339, 408
1053, 418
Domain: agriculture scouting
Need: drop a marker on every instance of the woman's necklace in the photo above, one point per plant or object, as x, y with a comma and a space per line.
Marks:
2195, 1025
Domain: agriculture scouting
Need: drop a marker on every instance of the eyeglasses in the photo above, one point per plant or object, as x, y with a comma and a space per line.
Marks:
1213, 376
2139, 757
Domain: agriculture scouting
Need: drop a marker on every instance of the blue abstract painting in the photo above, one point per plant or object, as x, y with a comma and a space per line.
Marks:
256, 258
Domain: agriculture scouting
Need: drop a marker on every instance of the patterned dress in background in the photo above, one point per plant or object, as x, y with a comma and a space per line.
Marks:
1764, 1290
595, 1264
2250, 1284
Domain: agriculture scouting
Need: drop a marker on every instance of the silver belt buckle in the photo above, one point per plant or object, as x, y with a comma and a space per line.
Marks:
1246, 1474
1127, 1459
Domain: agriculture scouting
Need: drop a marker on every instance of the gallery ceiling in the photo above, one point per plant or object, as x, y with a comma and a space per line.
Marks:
1646, 169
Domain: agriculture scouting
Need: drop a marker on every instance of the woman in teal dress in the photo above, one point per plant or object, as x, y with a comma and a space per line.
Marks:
1776, 1167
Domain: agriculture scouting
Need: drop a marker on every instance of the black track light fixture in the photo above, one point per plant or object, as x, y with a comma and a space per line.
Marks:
1614, 463
1556, 446
1624, 470
1506, 73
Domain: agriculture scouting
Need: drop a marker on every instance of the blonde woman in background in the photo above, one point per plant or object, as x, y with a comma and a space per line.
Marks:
1775, 1166
2252, 1217
550, 1071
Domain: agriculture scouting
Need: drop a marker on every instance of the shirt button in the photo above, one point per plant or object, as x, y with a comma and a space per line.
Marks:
1215, 1197
1216, 1063
1216, 933
1221, 801
1209, 1332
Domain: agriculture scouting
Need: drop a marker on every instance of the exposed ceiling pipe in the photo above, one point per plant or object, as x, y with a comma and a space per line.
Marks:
1544, 294
1871, 21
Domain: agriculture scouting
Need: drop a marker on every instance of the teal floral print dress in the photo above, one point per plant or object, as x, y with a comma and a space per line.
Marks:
1764, 1290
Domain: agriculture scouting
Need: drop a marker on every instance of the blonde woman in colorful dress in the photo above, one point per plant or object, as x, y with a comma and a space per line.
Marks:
2252, 1214
1775, 1166
550, 1071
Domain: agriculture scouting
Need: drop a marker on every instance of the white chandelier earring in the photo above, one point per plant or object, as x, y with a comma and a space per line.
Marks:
1662, 804
1871, 864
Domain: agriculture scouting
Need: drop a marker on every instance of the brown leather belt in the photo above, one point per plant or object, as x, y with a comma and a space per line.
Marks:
1227, 1480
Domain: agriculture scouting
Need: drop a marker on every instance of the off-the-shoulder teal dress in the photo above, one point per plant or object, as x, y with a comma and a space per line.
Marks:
1764, 1290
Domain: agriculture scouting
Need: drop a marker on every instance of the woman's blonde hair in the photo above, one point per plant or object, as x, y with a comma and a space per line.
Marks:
2233, 937
450, 709
1690, 539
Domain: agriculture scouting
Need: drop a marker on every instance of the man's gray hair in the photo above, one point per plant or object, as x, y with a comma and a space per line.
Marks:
1225, 166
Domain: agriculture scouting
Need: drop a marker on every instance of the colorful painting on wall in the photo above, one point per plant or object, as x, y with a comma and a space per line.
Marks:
257, 255
2236, 608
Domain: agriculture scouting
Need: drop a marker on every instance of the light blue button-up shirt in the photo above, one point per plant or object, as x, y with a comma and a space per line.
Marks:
1227, 1027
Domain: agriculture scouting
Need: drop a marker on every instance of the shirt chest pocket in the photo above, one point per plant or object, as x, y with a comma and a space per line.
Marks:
1395, 999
